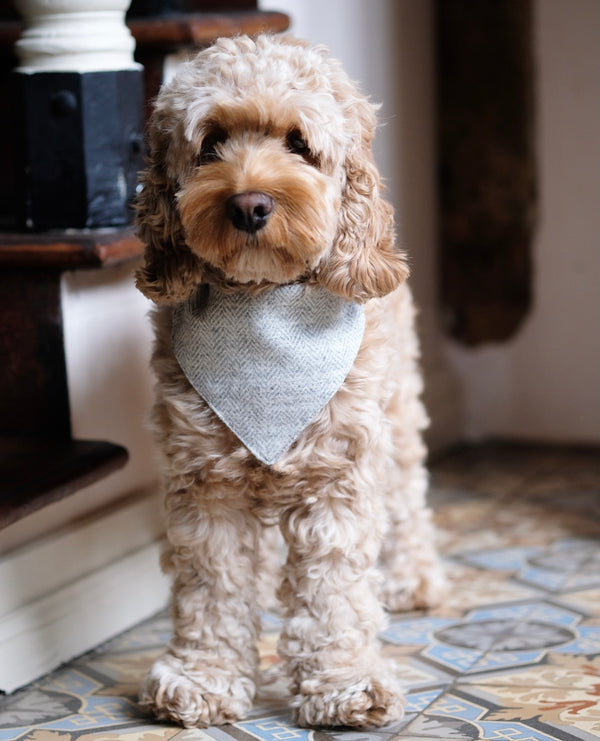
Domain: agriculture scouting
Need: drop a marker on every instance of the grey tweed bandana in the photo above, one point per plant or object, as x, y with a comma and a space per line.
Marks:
267, 364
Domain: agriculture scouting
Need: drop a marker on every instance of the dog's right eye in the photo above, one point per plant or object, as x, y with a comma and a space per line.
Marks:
297, 144
208, 151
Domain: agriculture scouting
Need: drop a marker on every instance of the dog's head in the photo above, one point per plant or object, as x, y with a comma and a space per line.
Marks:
260, 172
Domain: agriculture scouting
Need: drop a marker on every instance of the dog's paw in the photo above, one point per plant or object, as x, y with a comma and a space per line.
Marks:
423, 592
364, 704
195, 698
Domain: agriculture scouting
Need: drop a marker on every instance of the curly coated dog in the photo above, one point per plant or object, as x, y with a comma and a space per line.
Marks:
287, 389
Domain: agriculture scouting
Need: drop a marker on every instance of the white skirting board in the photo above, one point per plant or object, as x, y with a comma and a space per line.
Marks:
38, 637
55, 607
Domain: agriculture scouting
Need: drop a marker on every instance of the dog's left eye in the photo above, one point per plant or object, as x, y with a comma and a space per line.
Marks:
208, 151
296, 143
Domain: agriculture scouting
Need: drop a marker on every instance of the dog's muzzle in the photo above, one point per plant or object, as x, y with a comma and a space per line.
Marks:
250, 211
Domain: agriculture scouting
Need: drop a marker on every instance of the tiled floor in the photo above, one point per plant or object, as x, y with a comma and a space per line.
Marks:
513, 654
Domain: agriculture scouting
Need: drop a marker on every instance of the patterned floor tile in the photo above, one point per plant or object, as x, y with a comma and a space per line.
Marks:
585, 601
273, 728
542, 715
561, 693
514, 652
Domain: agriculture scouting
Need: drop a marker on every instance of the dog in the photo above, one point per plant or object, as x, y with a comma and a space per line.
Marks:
269, 251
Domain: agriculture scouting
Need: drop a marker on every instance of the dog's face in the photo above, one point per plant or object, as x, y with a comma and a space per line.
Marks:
261, 172
261, 202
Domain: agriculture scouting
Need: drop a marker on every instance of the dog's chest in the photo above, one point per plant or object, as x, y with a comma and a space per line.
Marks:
266, 364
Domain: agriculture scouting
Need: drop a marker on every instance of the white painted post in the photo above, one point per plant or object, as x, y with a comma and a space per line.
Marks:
74, 36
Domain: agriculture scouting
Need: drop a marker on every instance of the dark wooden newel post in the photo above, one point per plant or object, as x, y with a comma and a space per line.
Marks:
80, 103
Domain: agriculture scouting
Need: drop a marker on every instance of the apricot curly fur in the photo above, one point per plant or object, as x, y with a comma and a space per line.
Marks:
276, 116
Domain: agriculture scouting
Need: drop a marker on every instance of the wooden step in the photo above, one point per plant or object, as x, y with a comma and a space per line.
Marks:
36, 472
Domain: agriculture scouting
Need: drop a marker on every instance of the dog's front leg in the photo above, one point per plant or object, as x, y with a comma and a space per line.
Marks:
208, 674
333, 615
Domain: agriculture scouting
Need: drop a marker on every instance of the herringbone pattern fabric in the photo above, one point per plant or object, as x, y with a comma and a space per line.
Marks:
267, 364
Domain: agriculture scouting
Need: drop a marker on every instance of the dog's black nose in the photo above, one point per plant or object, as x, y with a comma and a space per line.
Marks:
250, 211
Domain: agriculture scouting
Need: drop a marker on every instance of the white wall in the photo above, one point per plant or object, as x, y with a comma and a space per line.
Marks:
545, 382
108, 344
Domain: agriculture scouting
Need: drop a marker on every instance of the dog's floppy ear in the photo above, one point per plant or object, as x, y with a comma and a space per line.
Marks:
363, 262
170, 273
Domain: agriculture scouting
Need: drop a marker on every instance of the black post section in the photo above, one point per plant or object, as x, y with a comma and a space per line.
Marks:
80, 140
